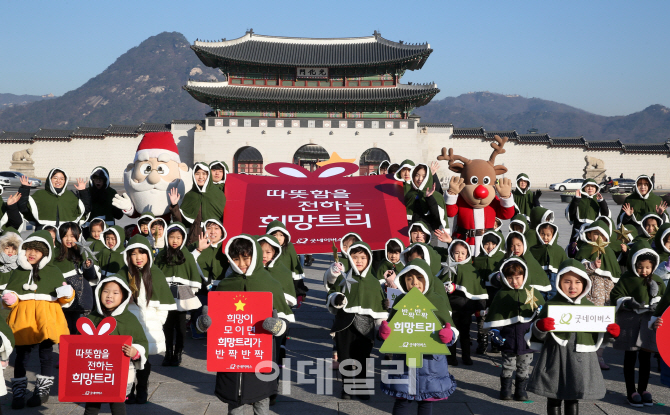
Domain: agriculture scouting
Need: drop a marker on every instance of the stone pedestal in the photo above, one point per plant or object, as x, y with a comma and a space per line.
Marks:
595, 174
26, 168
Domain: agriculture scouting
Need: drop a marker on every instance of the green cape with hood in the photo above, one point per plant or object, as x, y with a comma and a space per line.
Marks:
67, 267
212, 261
610, 266
528, 232
660, 248
388, 265
523, 199
435, 267
487, 263
161, 297
364, 295
407, 186
203, 203
111, 261
463, 275
437, 254
13, 238
537, 278
288, 257
52, 207
442, 307
188, 273
509, 304
279, 271
21, 281
643, 234
103, 208
417, 202
587, 209
538, 216
584, 341
221, 185
255, 278
642, 205
145, 215
549, 255
126, 322
383, 165
631, 285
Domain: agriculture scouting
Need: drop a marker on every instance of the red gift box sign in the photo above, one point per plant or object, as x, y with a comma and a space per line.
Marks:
93, 368
663, 337
236, 340
318, 207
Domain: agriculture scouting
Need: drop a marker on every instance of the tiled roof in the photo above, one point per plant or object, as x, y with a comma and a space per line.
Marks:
605, 145
567, 141
469, 132
533, 138
89, 132
434, 125
647, 148
202, 122
512, 135
223, 91
153, 128
309, 52
16, 137
50, 134
127, 130
374, 155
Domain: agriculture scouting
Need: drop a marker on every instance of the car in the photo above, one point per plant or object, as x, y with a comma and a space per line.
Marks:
14, 179
567, 184
622, 186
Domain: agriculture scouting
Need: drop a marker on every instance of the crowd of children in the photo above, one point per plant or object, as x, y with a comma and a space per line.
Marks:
152, 275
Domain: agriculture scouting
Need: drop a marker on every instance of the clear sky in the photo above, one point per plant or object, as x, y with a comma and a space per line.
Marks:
607, 57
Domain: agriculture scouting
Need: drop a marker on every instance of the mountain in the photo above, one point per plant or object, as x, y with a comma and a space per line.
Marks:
143, 84
513, 112
10, 100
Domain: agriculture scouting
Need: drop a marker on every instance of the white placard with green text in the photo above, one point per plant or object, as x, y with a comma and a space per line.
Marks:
576, 318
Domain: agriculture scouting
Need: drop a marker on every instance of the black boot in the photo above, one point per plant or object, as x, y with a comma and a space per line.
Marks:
553, 406
41, 392
451, 359
520, 389
19, 386
571, 408
176, 357
482, 337
131, 398
505, 388
142, 390
167, 360
465, 350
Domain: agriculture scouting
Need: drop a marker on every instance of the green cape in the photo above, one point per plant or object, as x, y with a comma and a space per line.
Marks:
435, 266
538, 216
111, 261
279, 271
487, 263
509, 305
212, 260
126, 322
388, 265
255, 278
289, 256
588, 208
464, 276
208, 201
631, 285
407, 163
551, 255
610, 266
188, 273
523, 199
222, 184
585, 341
642, 205
659, 246
537, 278
50, 207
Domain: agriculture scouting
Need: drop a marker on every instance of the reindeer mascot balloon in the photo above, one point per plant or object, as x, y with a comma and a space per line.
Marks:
473, 195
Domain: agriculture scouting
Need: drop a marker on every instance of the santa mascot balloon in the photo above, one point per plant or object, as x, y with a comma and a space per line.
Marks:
148, 180
473, 195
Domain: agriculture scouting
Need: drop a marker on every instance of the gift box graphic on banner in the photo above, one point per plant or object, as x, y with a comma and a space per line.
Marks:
236, 340
317, 207
93, 368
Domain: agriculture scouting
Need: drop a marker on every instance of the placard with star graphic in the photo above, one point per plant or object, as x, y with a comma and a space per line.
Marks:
236, 340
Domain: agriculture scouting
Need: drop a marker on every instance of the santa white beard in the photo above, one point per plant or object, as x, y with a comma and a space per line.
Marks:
155, 198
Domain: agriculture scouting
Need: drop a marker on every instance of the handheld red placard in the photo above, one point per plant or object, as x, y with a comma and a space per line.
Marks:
93, 368
317, 208
236, 340
663, 337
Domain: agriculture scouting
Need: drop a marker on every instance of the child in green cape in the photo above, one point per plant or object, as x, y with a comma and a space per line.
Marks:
110, 257
567, 369
662, 248
524, 199
111, 300
392, 259
515, 245
548, 253
491, 256
585, 207
289, 258
642, 202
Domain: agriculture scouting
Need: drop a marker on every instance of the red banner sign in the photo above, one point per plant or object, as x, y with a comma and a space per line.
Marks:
93, 368
318, 207
663, 337
236, 340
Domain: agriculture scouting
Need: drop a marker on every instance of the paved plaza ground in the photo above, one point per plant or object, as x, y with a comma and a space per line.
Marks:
189, 389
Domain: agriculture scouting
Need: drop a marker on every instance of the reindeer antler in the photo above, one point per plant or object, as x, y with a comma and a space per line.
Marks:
451, 158
497, 148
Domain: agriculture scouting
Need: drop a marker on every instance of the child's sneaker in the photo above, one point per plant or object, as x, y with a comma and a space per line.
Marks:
635, 400
646, 399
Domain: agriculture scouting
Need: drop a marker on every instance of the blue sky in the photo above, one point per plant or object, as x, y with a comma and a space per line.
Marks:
607, 57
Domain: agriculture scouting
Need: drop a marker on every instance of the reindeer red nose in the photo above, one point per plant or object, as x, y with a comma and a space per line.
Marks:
481, 192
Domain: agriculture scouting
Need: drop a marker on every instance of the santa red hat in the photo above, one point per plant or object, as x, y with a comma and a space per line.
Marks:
154, 145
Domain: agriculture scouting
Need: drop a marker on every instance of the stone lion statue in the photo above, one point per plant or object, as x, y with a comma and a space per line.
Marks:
594, 163
23, 155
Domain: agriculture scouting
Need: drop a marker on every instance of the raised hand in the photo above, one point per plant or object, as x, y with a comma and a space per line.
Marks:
13, 199
578, 193
504, 188
434, 167
660, 209
24, 181
456, 184
81, 184
122, 202
599, 197
627, 209
389, 277
174, 196
203, 242
443, 236
430, 191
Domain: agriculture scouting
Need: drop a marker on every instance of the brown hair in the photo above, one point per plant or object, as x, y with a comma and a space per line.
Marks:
513, 268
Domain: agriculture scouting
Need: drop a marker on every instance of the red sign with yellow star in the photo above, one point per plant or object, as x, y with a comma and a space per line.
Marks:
236, 340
